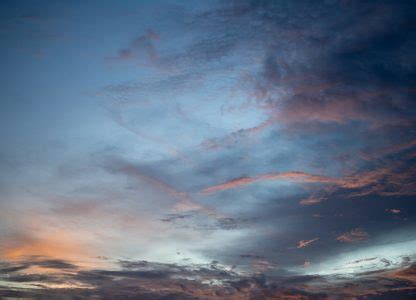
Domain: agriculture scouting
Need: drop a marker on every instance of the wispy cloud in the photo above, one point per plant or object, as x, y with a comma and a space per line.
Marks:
304, 243
140, 48
184, 202
355, 235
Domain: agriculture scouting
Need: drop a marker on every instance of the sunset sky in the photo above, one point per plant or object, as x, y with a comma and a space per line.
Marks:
208, 149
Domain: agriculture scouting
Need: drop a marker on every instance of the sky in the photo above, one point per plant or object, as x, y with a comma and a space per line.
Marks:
208, 149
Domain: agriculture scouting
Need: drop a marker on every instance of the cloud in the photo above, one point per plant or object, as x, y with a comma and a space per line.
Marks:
355, 235
77, 208
56, 243
150, 280
229, 185
304, 243
165, 145
36, 261
347, 182
184, 201
140, 48
240, 136
174, 217
311, 200
327, 89
292, 176
395, 180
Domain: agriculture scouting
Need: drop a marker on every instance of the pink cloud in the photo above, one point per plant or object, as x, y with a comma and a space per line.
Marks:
293, 176
304, 243
355, 235
229, 185
311, 200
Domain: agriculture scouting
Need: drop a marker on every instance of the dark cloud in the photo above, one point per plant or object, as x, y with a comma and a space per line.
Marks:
174, 217
149, 280
36, 261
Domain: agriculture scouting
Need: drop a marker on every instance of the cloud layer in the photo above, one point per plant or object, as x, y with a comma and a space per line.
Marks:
212, 150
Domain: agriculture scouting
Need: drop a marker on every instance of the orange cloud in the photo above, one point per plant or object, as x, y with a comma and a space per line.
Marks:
38, 236
57, 244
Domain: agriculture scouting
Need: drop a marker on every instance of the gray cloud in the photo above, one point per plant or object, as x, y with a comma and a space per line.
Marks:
149, 280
